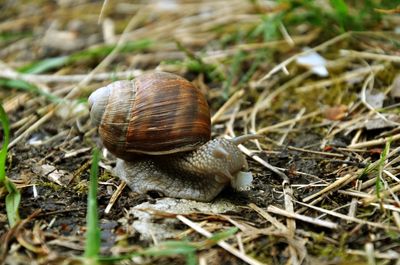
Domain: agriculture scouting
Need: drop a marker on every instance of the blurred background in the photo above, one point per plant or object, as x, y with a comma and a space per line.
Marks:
312, 75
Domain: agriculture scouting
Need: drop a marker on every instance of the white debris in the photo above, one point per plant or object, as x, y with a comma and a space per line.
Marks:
395, 91
61, 40
36, 139
315, 62
382, 121
58, 176
242, 181
375, 99
166, 5
378, 123
35, 192
166, 228
72, 109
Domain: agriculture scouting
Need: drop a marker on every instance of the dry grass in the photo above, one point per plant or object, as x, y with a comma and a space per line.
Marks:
330, 152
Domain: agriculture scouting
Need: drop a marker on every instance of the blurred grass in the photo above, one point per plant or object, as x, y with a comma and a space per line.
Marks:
340, 16
170, 248
53, 64
335, 17
195, 64
98, 53
13, 36
231, 73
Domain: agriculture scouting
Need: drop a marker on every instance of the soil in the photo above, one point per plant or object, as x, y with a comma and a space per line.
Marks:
62, 208
50, 49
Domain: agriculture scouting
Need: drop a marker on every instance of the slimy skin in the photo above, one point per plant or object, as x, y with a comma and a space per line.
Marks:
159, 127
197, 175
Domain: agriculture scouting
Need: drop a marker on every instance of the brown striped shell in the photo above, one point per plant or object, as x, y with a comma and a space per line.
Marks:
156, 113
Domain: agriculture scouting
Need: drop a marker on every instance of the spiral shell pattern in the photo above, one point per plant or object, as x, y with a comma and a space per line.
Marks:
156, 113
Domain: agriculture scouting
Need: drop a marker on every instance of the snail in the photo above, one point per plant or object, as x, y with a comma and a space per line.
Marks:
158, 126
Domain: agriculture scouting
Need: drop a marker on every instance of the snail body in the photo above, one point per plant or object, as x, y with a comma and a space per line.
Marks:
198, 175
158, 125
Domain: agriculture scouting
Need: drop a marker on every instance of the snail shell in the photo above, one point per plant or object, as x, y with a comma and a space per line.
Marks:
156, 113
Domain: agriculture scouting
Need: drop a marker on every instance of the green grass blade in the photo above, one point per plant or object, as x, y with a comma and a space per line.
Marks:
173, 247
222, 235
104, 50
13, 36
20, 84
6, 138
342, 13
191, 258
13, 197
381, 165
92, 247
36, 68
168, 248
44, 65
13, 200
233, 73
58, 62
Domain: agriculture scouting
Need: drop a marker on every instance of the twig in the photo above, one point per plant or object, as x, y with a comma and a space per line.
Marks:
382, 194
333, 186
386, 206
342, 78
369, 251
268, 217
390, 255
358, 194
290, 222
291, 126
376, 142
232, 100
353, 203
396, 218
32, 78
352, 219
318, 222
288, 122
115, 196
221, 243
294, 57
369, 55
77, 89
266, 97
103, 8
32, 128
109, 58
314, 152
369, 80
263, 162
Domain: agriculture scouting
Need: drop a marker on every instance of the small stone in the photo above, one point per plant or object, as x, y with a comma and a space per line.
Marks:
166, 228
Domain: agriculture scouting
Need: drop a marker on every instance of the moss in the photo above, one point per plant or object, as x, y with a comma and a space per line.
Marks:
50, 184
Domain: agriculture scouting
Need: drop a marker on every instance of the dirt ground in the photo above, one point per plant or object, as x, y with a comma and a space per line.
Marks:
334, 199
